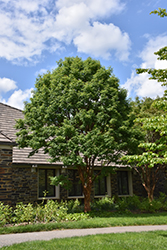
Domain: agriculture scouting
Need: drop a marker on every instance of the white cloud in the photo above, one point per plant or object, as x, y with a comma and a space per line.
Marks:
101, 39
147, 55
18, 97
29, 27
140, 84
7, 84
96, 7
41, 72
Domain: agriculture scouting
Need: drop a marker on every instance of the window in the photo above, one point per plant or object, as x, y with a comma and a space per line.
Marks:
76, 188
100, 186
123, 183
44, 183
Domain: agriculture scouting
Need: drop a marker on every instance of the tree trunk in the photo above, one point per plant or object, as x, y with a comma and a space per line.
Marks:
148, 181
87, 186
150, 194
87, 197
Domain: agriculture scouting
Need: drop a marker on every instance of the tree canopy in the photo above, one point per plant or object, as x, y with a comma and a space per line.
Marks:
79, 115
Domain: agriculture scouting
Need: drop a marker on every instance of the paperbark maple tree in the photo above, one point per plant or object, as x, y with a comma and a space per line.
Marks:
79, 115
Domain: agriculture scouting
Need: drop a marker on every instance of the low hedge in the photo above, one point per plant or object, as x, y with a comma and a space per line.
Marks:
54, 211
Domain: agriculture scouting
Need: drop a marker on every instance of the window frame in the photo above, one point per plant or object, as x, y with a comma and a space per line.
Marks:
130, 185
56, 188
74, 196
108, 187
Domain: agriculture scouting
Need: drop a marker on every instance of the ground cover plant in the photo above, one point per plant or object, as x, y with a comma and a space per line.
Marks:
54, 211
144, 240
65, 215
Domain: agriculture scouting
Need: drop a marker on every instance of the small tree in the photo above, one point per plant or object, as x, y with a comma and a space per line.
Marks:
153, 157
78, 115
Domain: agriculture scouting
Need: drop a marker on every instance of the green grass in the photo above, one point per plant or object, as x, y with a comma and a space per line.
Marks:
101, 220
144, 241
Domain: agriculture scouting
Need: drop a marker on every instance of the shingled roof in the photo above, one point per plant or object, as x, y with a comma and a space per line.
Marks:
7, 121
8, 117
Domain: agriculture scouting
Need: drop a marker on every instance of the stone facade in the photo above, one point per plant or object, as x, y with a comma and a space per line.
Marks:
138, 188
16, 183
19, 182
6, 174
24, 184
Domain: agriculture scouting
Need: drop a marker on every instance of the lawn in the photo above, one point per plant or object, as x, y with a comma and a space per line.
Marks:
98, 221
144, 240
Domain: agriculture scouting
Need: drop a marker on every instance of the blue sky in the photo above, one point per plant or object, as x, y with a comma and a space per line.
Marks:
34, 34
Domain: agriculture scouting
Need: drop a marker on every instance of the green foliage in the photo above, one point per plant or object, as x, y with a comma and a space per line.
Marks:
161, 12
77, 109
5, 214
154, 148
51, 211
74, 206
64, 212
62, 181
151, 157
39, 213
105, 203
23, 213
55, 211
77, 216
128, 203
78, 114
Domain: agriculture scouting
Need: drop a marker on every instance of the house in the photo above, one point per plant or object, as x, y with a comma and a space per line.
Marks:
25, 179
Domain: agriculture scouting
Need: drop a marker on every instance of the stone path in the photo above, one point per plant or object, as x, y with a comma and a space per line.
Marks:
10, 239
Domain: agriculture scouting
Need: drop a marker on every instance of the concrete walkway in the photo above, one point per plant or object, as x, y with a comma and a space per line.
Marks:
9, 239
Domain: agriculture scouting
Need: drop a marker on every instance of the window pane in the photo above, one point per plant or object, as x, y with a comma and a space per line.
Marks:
100, 186
44, 182
50, 188
76, 189
41, 182
123, 187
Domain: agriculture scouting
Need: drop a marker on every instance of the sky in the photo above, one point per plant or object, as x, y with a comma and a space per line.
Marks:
35, 34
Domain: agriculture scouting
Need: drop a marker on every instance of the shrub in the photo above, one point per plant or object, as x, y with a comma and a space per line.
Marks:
105, 203
128, 203
151, 207
39, 213
5, 214
54, 211
73, 209
74, 206
23, 213
77, 216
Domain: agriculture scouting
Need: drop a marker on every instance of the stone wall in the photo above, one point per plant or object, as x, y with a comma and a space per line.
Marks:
161, 185
6, 174
16, 183
20, 182
138, 188
24, 184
